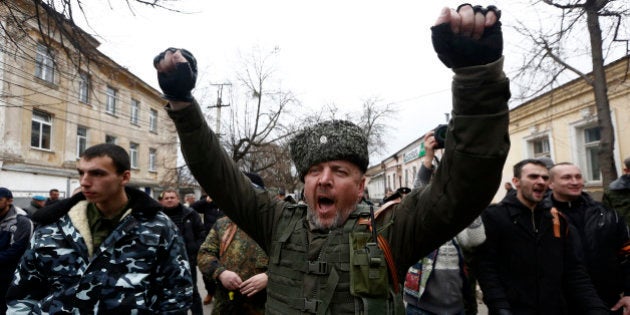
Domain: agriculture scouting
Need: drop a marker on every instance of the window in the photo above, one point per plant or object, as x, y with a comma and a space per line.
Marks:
41, 130
44, 66
110, 102
81, 140
153, 116
539, 147
133, 154
135, 109
110, 139
152, 159
406, 178
590, 137
84, 88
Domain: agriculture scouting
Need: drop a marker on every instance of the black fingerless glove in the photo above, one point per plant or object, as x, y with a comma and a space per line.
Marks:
178, 83
457, 51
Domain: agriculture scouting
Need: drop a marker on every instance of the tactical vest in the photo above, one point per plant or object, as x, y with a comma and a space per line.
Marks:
315, 274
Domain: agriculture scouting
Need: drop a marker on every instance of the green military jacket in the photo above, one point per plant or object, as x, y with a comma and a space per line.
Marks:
468, 177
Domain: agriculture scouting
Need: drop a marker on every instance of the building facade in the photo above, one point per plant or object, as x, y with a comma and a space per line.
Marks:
52, 107
562, 125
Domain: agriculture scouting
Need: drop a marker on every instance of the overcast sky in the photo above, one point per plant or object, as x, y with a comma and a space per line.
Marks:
340, 52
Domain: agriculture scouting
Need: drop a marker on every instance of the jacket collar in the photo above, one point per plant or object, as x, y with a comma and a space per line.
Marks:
623, 182
142, 205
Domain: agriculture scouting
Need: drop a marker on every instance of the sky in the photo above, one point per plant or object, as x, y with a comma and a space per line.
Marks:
340, 52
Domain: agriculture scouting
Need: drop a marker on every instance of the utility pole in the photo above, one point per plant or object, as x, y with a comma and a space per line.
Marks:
217, 127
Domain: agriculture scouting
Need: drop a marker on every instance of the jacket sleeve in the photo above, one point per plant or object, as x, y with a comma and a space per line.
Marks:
208, 257
477, 144
252, 209
172, 279
24, 294
424, 176
12, 250
487, 265
198, 230
576, 279
622, 238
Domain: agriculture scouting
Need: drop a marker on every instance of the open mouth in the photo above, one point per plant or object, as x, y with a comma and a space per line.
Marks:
325, 201
325, 204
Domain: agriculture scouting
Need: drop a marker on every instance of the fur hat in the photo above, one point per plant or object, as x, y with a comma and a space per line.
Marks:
328, 141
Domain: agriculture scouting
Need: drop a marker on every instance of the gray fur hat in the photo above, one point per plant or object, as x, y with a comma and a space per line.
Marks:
328, 141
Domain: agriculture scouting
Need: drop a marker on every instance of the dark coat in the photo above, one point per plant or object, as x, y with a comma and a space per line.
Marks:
603, 233
210, 211
523, 266
191, 229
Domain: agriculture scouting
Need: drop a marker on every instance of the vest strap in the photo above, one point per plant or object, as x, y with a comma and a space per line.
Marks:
332, 282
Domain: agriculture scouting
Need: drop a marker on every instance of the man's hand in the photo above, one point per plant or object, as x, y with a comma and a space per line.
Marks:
429, 149
468, 36
625, 303
230, 280
254, 284
177, 74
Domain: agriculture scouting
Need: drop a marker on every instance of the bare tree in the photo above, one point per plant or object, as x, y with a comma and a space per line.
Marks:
551, 57
55, 22
374, 119
257, 122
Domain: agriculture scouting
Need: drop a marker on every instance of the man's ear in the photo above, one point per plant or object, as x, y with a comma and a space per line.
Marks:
126, 176
361, 187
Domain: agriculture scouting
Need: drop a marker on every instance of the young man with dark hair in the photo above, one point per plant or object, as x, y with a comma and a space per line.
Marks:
528, 258
106, 250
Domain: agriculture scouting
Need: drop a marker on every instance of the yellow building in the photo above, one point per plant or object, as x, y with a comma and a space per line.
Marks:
53, 107
562, 124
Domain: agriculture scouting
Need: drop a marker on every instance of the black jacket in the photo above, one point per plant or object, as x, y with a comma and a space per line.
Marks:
210, 211
190, 228
603, 233
524, 264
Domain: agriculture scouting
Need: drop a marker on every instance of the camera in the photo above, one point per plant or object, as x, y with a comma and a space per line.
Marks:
440, 135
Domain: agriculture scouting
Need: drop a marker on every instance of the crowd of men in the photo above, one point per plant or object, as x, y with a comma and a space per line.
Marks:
546, 248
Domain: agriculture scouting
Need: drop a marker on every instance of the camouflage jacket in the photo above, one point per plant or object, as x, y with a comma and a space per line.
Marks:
141, 267
243, 256
617, 196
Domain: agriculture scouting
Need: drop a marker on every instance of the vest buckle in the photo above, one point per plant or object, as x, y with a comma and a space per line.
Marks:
310, 305
318, 267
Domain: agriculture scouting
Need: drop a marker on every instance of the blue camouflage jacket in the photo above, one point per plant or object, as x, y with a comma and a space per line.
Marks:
141, 267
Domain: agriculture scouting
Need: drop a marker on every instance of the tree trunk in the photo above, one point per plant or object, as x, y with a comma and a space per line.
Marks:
600, 89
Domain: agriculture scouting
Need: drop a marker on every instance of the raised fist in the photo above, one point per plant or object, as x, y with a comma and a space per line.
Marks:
468, 36
177, 74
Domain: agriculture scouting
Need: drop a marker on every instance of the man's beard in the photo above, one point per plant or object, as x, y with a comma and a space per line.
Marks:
339, 219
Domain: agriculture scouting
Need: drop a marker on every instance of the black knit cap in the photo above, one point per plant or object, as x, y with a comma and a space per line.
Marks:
328, 141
